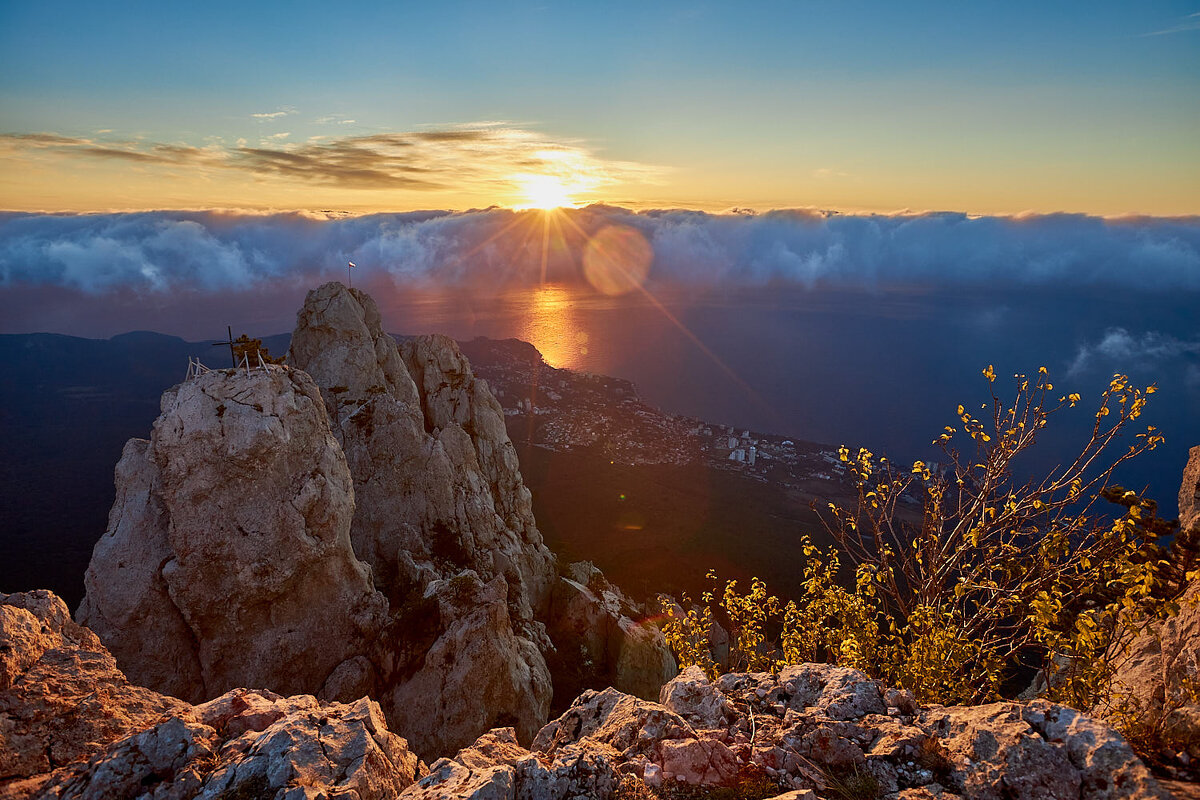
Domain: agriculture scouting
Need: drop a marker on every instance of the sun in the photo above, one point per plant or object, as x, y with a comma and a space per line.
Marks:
544, 192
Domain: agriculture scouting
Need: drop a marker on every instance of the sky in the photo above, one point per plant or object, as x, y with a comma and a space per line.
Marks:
981, 108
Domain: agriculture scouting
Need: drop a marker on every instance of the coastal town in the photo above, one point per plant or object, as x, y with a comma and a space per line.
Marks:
568, 411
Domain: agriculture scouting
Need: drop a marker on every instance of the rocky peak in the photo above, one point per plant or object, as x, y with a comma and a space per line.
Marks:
339, 341
437, 479
230, 523
360, 530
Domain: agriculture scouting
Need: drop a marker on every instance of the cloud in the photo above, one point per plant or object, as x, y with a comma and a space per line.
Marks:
1121, 350
486, 155
1189, 23
494, 249
284, 111
18, 144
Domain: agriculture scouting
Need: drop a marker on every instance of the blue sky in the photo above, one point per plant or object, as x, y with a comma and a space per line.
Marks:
986, 107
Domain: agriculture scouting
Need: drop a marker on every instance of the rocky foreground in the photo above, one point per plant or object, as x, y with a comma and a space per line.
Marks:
73, 726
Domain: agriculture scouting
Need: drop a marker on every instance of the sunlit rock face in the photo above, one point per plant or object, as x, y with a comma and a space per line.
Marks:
440, 501
1189, 491
230, 558
436, 477
1158, 673
62, 698
799, 731
227, 560
72, 726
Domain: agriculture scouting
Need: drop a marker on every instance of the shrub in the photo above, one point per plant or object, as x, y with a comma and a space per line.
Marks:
993, 574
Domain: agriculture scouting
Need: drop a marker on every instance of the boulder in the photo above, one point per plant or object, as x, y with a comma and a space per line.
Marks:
1158, 675
227, 560
1036, 750
73, 727
626, 724
251, 744
599, 641
62, 697
692, 696
497, 767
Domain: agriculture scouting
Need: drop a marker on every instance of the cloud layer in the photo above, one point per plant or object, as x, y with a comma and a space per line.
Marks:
494, 249
487, 155
1118, 348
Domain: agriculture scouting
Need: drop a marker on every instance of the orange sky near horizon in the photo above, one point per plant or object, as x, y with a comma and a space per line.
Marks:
55, 183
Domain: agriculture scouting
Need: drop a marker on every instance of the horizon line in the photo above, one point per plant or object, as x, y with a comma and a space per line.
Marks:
632, 208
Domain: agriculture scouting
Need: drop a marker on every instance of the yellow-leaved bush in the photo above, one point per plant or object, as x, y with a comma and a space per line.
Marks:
957, 594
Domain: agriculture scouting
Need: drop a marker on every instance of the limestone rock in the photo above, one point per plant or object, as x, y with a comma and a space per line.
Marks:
496, 766
441, 510
251, 744
227, 559
1038, 750
62, 698
1189, 491
435, 474
71, 726
836, 692
1155, 675
698, 761
339, 341
693, 697
622, 722
599, 643
797, 729
232, 552
476, 675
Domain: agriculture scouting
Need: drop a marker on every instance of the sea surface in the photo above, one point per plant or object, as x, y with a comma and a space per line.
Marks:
881, 369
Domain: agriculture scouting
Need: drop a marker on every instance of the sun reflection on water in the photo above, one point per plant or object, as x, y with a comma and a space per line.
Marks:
551, 325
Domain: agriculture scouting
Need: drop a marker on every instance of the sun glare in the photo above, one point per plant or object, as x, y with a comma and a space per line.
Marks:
544, 192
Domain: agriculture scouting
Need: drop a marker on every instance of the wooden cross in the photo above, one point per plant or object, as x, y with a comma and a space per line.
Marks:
232, 357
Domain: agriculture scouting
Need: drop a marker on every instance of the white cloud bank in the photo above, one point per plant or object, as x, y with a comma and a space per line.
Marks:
499, 248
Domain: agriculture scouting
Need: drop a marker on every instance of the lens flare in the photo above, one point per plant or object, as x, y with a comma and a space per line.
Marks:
617, 260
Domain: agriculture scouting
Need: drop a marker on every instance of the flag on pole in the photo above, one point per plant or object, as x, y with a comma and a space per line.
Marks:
351, 263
